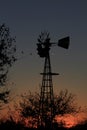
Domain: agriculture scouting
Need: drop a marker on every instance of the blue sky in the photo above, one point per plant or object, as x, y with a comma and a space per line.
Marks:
26, 19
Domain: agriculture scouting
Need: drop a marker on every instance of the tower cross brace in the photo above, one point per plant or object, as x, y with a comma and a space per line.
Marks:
46, 110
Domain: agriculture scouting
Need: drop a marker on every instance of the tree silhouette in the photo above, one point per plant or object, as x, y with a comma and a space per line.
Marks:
64, 103
7, 57
11, 125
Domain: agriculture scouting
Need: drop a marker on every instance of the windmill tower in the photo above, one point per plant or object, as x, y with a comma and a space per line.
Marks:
46, 104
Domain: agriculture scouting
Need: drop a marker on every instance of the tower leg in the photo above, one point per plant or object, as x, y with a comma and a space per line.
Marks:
46, 96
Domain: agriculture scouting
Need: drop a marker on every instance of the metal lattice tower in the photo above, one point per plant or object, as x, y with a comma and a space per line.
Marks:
46, 104
46, 95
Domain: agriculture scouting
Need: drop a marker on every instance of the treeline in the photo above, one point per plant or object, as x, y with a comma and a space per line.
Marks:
11, 125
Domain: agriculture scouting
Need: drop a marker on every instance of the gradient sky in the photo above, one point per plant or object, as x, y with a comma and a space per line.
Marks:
26, 19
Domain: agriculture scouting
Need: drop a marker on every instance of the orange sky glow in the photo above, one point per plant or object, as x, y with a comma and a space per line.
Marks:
67, 120
71, 120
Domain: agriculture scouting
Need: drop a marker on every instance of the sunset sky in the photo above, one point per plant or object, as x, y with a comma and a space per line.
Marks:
26, 19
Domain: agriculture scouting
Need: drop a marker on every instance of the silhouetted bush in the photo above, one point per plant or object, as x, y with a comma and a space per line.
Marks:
64, 103
11, 125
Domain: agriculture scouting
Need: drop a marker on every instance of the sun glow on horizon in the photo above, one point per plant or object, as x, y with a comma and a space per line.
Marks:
69, 120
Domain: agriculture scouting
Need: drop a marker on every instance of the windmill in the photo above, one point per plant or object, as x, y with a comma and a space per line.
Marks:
46, 103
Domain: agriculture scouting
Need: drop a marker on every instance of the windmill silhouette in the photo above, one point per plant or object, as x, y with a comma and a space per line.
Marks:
46, 103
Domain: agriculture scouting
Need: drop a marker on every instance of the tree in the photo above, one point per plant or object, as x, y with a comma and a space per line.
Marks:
64, 103
29, 107
7, 57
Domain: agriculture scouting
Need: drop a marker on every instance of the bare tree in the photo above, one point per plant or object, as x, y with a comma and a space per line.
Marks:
7, 57
29, 107
64, 103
